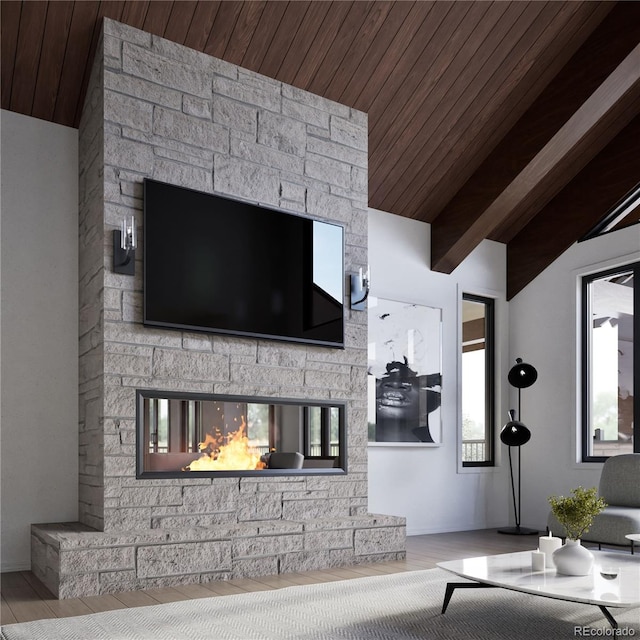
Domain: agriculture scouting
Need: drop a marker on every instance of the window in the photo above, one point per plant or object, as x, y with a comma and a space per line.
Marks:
478, 373
322, 431
610, 424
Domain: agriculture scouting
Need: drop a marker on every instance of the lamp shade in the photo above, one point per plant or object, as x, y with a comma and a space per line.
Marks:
515, 434
522, 375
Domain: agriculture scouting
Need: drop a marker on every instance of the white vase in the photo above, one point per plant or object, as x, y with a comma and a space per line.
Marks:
572, 559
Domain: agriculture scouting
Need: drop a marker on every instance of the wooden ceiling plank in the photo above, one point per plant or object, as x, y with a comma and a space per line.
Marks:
398, 20
576, 80
478, 68
416, 32
29, 46
453, 91
495, 107
608, 109
336, 53
50, 69
387, 109
360, 46
606, 47
76, 59
576, 209
135, 13
486, 83
293, 18
180, 20
9, 28
201, 25
263, 36
315, 55
107, 9
523, 23
244, 31
222, 29
396, 120
490, 121
157, 17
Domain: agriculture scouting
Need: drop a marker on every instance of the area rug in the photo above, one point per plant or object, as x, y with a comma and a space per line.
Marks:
392, 607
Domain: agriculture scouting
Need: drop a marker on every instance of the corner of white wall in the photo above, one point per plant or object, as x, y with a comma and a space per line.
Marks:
408, 481
544, 330
39, 329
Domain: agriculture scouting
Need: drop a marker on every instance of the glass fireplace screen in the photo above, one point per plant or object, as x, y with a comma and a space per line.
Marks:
187, 434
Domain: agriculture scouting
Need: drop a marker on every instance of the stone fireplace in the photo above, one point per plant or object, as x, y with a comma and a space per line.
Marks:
155, 109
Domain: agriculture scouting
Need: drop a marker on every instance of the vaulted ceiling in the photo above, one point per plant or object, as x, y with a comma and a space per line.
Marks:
513, 121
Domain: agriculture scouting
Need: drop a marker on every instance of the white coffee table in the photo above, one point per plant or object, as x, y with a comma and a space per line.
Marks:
634, 537
513, 571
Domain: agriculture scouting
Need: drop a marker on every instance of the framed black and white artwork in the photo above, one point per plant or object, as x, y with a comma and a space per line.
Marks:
404, 373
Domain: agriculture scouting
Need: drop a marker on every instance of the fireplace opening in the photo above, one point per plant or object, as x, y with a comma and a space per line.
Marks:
181, 435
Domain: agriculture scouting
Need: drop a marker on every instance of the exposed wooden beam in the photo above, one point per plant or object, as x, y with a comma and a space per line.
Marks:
587, 70
576, 209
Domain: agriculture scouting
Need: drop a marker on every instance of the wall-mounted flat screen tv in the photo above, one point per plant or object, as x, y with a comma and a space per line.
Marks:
225, 266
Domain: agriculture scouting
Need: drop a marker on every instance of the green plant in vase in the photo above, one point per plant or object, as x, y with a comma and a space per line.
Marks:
575, 513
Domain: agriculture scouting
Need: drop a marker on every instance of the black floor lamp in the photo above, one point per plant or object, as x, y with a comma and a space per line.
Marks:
515, 434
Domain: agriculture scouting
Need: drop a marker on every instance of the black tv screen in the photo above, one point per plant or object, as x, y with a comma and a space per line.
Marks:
225, 266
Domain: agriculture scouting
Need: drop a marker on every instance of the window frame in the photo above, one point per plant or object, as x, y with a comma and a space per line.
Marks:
585, 334
490, 384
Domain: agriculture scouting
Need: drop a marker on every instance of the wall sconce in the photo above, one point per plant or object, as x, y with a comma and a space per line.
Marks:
124, 248
360, 289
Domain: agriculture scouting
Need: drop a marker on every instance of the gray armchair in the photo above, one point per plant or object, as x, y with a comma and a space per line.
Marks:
620, 488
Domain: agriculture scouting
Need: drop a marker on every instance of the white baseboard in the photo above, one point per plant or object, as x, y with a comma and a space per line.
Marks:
8, 567
450, 529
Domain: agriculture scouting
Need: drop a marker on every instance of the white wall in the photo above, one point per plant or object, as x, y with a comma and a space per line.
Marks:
428, 485
544, 318
39, 330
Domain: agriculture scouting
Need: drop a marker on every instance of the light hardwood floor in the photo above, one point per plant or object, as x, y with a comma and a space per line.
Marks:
24, 598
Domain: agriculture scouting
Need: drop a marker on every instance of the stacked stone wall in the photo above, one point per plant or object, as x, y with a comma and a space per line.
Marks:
159, 110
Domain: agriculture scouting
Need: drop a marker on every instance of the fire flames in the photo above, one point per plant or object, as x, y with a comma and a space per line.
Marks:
236, 454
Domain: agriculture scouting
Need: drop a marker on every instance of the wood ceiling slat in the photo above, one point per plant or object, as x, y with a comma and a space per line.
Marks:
315, 54
382, 47
607, 46
359, 47
389, 83
399, 57
259, 45
106, 9
244, 31
302, 41
10, 26
609, 109
201, 24
135, 12
489, 121
610, 42
347, 38
575, 210
522, 47
180, 20
157, 17
76, 59
432, 62
222, 29
29, 45
53, 49
459, 86
281, 42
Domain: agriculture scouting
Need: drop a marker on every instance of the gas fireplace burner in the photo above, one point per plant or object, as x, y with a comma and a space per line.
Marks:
184, 435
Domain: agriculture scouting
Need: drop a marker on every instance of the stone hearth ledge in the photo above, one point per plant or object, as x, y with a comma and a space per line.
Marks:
73, 560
